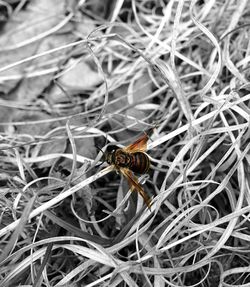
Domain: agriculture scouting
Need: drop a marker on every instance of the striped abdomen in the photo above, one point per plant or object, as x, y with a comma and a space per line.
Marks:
137, 162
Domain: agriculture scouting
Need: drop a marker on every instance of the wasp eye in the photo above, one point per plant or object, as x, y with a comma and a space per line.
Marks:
111, 148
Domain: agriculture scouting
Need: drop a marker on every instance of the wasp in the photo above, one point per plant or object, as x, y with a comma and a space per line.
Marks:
129, 160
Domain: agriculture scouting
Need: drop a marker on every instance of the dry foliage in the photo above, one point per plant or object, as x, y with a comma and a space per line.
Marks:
76, 75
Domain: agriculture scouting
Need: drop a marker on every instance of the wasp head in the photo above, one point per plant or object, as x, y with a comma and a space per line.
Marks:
110, 154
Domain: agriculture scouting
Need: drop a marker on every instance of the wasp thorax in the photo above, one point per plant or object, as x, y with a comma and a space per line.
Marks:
122, 158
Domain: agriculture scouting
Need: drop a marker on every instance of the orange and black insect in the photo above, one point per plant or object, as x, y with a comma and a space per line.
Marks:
131, 159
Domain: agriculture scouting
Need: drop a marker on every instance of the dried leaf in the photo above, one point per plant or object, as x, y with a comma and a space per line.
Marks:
77, 78
38, 18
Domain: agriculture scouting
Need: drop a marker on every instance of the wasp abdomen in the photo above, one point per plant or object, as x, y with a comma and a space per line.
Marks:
139, 162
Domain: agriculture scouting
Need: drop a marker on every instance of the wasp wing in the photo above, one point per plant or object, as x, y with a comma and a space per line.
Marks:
138, 145
134, 184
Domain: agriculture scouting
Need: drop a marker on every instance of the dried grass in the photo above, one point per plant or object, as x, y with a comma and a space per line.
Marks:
180, 67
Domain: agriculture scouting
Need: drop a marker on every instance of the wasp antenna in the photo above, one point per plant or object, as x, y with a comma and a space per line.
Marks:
99, 149
106, 139
103, 156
